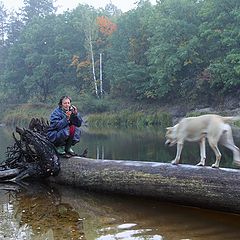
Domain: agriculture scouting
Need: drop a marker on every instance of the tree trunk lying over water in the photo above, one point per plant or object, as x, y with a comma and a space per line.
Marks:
203, 187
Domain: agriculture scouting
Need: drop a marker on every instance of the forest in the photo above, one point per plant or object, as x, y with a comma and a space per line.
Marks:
173, 51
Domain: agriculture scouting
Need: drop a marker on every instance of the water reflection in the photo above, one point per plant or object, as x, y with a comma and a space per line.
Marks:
132, 144
144, 145
40, 211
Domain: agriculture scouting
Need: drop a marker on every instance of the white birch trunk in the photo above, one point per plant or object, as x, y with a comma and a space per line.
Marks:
101, 79
93, 66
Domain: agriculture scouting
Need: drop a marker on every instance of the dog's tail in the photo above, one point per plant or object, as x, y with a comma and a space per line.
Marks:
231, 119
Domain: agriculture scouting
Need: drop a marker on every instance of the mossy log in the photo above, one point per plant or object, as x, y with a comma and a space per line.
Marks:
202, 187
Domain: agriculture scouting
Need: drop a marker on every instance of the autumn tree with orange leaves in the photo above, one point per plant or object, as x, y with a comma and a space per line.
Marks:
82, 70
106, 27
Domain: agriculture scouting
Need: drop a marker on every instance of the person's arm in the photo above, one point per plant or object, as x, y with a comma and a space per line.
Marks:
58, 120
75, 118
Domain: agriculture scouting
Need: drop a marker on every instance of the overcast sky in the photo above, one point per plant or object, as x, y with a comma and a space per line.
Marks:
124, 5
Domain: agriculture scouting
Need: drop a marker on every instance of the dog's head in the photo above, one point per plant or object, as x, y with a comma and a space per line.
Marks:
171, 138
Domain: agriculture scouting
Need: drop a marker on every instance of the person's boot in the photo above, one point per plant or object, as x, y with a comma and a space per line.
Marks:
61, 150
68, 148
70, 151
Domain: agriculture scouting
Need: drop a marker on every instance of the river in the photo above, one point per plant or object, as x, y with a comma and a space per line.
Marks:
36, 211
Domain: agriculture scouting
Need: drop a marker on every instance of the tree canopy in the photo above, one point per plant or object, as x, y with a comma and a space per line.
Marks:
186, 49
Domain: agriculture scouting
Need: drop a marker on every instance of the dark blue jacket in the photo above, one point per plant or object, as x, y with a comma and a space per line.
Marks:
59, 126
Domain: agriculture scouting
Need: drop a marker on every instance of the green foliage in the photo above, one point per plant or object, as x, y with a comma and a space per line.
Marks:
226, 72
127, 66
127, 118
33, 8
219, 31
237, 123
176, 58
186, 50
195, 114
91, 104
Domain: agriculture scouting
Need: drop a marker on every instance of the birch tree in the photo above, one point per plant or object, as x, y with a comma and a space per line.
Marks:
86, 20
106, 28
100, 75
89, 41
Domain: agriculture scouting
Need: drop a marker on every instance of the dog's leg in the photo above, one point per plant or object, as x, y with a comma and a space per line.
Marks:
235, 150
202, 152
227, 141
178, 155
217, 154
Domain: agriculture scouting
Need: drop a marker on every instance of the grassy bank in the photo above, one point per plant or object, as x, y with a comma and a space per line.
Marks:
22, 114
127, 118
118, 114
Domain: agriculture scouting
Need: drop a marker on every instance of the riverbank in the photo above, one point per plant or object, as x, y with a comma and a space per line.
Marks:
124, 114
21, 114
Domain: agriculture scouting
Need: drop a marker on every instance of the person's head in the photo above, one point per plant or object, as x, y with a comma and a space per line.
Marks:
65, 102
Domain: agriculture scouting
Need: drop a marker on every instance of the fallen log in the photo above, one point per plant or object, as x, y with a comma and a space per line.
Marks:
203, 187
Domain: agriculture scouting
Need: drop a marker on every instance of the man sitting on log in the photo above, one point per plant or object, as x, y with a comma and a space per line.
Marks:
64, 130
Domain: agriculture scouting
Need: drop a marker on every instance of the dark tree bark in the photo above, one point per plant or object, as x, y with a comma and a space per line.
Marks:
203, 187
8, 174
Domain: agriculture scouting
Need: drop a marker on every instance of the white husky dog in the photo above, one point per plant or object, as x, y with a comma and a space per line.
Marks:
213, 127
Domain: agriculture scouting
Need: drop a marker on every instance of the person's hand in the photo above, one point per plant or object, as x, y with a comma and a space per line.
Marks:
74, 109
68, 114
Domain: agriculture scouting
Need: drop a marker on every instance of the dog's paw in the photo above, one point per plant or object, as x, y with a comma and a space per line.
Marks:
215, 166
200, 164
174, 162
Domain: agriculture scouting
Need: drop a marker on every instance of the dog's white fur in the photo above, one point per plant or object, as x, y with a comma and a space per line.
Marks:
213, 127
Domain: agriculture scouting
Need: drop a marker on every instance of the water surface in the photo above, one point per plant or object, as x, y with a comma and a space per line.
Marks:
144, 145
39, 211
36, 211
